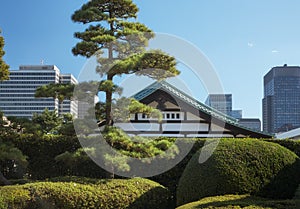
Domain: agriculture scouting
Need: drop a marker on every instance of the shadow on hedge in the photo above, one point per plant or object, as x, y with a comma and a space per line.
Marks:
284, 184
145, 201
249, 201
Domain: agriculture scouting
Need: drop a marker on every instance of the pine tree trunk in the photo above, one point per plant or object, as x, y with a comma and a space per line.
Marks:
108, 101
108, 104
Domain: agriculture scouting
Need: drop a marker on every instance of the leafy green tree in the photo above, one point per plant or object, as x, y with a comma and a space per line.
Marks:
49, 121
23, 126
4, 72
119, 44
12, 162
67, 127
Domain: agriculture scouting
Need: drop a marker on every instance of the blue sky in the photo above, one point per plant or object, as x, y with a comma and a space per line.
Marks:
242, 39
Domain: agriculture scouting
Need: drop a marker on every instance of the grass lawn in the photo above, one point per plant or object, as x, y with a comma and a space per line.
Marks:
240, 201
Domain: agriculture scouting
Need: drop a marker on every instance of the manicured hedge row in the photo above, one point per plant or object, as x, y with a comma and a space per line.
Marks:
105, 194
171, 178
41, 152
240, 166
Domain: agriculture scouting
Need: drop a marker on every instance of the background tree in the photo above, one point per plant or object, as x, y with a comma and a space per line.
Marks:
49, 121
119, 44
2, 122
4, 72
56, 91
12, 162
66, 127
23, 126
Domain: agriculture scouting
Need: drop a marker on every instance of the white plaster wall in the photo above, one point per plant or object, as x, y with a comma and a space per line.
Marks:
138, 126
185, 127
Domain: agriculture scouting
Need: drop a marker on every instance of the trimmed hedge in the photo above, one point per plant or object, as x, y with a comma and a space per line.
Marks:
239, 201
134, 193
241, 166
293, 145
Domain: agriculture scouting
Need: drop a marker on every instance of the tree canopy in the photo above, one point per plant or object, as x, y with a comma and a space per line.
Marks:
4, 72
48, 121
118, 42
56, 91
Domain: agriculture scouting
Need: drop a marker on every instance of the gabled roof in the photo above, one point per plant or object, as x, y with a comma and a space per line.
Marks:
165, 86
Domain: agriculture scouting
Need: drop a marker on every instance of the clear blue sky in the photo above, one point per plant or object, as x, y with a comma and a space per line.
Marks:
242, 39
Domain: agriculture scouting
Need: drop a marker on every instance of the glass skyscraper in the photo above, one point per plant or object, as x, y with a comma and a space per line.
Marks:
223, 103
281, 102
220, 102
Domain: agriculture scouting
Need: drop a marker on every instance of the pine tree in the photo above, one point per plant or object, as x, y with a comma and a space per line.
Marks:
4, 72
118, 42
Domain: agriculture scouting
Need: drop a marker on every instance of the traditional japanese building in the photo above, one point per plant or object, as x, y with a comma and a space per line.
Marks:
183, 116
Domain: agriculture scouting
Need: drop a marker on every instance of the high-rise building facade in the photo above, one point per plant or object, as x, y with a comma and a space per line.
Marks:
17, 94
220, 102
281, 102
223, 103
253, 123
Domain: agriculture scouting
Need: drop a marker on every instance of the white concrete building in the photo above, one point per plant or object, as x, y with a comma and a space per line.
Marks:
68, 106
83, 107
17, 94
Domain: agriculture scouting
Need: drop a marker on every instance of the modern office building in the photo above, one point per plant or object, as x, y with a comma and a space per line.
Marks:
281, 102
223, 103
238, 114
17, 94
220, 102
84, 107
253, 123
68, 106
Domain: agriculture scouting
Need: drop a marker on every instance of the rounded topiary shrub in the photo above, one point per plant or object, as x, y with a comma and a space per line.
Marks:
105, 194
240, 166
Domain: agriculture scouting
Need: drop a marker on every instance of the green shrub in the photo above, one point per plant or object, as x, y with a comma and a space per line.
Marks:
297, 197
241, 166
14, 197
171, 177
41, 152
105, 194
239, 201
292, 145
